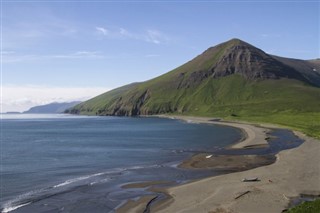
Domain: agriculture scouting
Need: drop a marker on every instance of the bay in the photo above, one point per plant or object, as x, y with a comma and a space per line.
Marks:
60, 161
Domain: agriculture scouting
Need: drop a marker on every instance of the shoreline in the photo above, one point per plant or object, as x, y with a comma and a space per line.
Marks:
253, 136
296, 171
225, 194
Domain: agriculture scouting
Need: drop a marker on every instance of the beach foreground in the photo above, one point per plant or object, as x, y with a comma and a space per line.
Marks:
295, 172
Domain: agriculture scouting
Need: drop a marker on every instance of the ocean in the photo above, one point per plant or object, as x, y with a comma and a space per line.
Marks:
79, 163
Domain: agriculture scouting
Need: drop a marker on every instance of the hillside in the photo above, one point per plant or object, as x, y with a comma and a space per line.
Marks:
232, 79
52, 107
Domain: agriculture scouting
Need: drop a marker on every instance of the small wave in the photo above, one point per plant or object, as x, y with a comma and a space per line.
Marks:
17, 202
142, 167
28, 198
39, 194
11, 208
67, 182
70, 181
177, 151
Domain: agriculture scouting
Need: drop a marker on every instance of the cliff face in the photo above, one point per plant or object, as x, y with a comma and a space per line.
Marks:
229, 77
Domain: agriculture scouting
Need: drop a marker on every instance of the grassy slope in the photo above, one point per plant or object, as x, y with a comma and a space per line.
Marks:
92, 106
290, 104
306, 207
307, 122
285, 102
184, 91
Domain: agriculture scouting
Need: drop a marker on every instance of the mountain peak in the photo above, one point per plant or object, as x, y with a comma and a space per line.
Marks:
213, 83
236, 41
239, 57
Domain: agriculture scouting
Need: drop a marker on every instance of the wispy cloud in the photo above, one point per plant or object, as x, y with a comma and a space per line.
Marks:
22, 97
7, 52
125, 33
102, 30
80, 55
12, 57
35, 28
151, 36
156, 37
15, 58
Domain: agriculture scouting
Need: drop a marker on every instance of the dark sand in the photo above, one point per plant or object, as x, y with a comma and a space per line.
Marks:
227, 162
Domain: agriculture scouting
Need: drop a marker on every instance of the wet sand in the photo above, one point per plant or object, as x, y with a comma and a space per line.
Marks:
296, 171
226, 162
146, 184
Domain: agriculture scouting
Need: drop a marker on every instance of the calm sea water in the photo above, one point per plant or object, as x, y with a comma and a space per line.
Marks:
52, 163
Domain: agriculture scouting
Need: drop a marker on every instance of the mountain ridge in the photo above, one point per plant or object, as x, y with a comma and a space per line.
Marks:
230, 78
54, 107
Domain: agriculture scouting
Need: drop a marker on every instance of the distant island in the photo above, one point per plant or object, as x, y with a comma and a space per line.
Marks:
54, 107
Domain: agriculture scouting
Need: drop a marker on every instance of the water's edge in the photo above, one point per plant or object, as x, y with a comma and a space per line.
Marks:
100, 183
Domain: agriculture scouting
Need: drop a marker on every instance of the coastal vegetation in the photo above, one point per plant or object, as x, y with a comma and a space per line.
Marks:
306, 207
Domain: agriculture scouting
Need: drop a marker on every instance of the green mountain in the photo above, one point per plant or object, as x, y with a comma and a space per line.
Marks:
233, 79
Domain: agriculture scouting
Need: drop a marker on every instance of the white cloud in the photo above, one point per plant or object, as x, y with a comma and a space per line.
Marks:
125, 33
151, 36
102, 30
79, 55
21, 98
156, 37
14, 57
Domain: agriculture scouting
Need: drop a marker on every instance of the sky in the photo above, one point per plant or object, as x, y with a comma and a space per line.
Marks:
75, 50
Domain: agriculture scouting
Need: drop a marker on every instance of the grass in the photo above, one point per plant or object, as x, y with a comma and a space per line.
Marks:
308, 123
306, 207
286, 102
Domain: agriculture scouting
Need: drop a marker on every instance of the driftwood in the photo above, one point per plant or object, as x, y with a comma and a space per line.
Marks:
147, 209
253, 179
243, 193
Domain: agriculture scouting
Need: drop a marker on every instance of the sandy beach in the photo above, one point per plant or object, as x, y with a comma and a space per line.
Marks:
295, 172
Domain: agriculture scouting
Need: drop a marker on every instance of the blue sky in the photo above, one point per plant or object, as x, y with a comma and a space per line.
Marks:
91, 47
